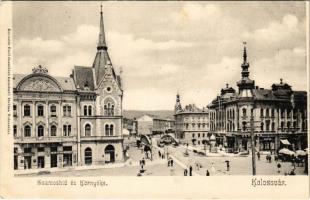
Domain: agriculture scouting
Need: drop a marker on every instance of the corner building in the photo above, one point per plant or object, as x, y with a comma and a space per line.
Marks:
69, 121
279, 115
191, 124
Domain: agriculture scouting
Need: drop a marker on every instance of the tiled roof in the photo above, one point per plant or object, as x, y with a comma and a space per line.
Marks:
101, 60
84, 77
66, 83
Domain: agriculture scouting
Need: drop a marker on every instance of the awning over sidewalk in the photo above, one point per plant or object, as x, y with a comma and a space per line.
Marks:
285, 141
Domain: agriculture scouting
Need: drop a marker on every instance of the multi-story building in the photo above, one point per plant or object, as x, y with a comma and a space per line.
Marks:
69, 121
191, 124
151, 124
279, 115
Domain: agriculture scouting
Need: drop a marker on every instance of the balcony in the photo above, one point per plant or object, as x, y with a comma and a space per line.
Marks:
44, 139
93, 138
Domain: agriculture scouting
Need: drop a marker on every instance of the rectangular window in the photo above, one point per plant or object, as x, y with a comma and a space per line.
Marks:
69, 148
27, 150
40, 149
66, 130
15, 130
64, 110
40, 110
53, 111
14, 110
53, 149
69, 111
27, 110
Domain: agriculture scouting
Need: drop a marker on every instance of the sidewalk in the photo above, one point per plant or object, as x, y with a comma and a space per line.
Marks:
71, 168
90, 167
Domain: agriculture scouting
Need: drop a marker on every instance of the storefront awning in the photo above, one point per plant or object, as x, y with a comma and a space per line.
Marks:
285, 141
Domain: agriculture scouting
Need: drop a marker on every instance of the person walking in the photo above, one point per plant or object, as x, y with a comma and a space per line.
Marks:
207, 173
258, 155
185, 172
190, 170
159, 154
171, 162
227, 165
279, 167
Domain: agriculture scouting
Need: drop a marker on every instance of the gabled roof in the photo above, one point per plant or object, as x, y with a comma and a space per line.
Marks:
83, 77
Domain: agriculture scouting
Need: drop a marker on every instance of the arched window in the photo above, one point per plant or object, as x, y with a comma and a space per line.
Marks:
107, 129
87, 130
40, 131
88, 156
53, 130
112, 110
272, 112
261, 112
243, 112
267, 125
27, 110
111, 129
89, 110
262, 126
40, 110
85, 110
27, 131
105, 110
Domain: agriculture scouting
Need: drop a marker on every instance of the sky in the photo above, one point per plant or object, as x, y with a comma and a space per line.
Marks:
193, 48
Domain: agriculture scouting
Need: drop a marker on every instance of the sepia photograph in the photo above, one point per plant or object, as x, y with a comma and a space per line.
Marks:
203, 91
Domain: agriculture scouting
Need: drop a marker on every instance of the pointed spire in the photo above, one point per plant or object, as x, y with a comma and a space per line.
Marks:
244, 53
101, 43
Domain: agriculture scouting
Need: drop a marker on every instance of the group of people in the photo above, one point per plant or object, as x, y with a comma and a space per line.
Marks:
161, 155
188, 172
170, 162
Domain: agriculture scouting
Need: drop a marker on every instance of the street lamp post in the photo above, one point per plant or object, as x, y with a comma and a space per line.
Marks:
253, 143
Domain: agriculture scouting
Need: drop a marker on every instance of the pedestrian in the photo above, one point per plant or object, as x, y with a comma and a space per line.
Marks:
227, 165
168, 162
207, 173
190, 170
171, 162
185, 172
212, 167
258, 155
279, 167
159, 154
143, 161
162, 156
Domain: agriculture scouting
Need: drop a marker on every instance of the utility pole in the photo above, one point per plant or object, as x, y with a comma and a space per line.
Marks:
253, 143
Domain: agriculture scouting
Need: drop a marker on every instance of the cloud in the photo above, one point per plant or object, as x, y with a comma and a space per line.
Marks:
193, 47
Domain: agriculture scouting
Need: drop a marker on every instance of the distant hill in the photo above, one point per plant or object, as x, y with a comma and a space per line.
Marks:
130, 114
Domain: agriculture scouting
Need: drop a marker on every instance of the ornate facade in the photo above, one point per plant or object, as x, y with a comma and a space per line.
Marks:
69, 121
191, 124
279, 115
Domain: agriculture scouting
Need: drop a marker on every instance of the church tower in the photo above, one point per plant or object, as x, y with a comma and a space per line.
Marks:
245, 85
